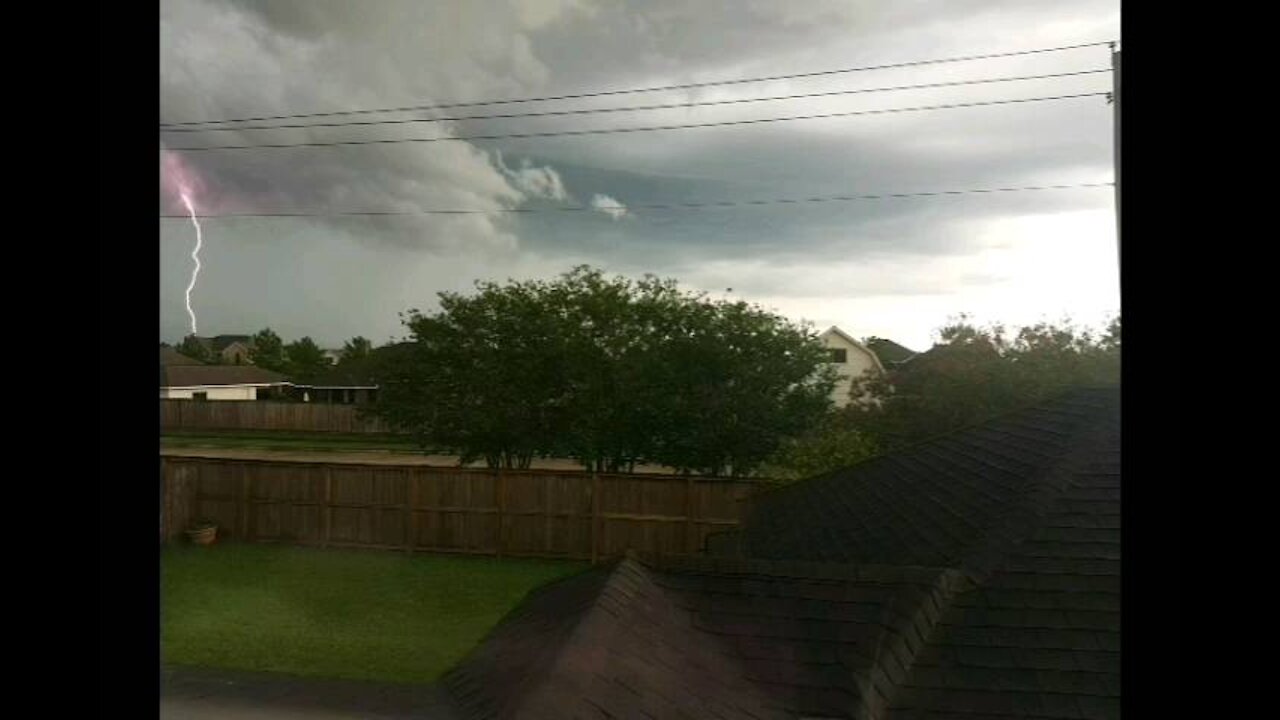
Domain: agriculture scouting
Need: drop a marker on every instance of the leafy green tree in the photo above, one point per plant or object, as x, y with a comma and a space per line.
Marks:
268, 351
355, 350
831, 446
610, 371
193, 348
973, 373
304, 360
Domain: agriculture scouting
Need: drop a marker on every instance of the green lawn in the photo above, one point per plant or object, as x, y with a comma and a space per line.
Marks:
371, 615
289, 441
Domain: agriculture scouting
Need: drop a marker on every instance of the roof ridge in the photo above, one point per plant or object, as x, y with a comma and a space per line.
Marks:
468, 689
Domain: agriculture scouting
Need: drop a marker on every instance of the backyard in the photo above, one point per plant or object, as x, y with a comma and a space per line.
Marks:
363, 615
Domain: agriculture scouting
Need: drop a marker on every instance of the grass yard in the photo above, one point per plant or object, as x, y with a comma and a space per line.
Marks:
368, 615
266, 440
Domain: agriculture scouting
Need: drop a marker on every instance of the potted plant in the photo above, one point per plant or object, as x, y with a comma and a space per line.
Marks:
204, 531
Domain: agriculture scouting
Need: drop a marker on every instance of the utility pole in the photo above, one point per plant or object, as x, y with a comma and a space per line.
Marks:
1115, 116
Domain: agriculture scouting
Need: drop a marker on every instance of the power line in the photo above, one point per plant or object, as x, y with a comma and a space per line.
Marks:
648, 206
657, 88
651, 128
634, 108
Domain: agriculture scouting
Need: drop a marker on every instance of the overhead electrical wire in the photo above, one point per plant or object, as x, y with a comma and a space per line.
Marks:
644, 206
634, 108
657, 88
650, 128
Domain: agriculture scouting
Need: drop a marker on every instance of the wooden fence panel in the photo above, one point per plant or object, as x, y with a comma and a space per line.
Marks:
531, 513
266, 415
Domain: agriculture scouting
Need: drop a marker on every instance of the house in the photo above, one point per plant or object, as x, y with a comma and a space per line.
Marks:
229, 349
338, 386
354, 382
220, 382
974, 575
851, 359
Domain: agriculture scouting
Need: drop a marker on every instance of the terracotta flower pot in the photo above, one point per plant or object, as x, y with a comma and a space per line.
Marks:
204, 535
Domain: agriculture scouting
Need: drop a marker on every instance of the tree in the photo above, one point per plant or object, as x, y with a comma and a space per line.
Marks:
304, 360
193, 348
830, 446
610, 371
355, 350
268, 350
974, 373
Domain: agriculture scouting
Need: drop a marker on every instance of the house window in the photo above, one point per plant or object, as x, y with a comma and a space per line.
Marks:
839, 355
200, 396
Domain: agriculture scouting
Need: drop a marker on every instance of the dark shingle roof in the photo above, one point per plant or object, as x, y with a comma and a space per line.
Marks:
938, 503
701, 638
169, 356
889, 352
194, 375
975, 575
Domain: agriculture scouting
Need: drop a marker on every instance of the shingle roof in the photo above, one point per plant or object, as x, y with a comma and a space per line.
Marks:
169, 356
702, 638
198, 375
939, 502
975, 575
889, 352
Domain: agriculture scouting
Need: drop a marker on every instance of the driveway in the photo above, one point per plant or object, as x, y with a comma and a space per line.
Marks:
202, 694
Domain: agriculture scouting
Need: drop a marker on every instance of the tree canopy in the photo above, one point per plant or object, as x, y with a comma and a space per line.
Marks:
610, 371
193, 348
268, 350
304, 360
973, 373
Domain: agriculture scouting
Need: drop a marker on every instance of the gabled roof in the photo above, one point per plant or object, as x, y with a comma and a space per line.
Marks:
169, 356
833, 330
212, 375
700, 638
974, 575
889, 352
218, 343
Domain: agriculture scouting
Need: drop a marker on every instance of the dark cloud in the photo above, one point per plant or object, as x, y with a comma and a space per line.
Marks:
332, 277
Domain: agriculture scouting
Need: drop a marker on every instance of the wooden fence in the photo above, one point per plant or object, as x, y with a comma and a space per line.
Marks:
265, 415
415, 508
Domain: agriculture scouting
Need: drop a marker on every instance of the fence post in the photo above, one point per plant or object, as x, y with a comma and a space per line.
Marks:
326, 509
408, 510
595, 516
688, 516
501, 491
246, 494
546, 513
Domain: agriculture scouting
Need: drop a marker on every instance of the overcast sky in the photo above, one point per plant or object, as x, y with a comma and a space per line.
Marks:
894, 268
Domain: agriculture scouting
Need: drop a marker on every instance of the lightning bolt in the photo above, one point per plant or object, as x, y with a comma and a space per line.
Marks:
195, 255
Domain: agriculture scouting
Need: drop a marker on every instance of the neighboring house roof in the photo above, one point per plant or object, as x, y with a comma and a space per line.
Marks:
889, 352
833, 330
212, 375
169, 356
222, 342
218, 343
974, 575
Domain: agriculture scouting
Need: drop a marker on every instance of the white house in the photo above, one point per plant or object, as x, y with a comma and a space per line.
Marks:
219, 382
851, 359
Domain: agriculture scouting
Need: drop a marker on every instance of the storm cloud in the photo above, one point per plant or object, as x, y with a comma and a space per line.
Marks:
895, 267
